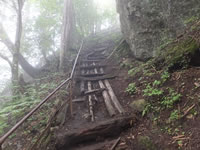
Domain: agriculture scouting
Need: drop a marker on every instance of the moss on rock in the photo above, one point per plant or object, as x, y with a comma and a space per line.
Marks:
179, 53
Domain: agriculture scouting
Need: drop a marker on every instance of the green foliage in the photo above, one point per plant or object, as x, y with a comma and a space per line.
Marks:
169, 100
190, 20
151, 91
156, 83
131, 89
147, 108
174, 115
165, 76
16, 108
132, 72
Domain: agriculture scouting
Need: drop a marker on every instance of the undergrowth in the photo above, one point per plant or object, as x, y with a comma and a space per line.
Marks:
17, 106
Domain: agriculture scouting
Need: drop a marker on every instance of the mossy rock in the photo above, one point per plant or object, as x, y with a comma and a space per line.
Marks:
138, 105
145, 143
178, 55
181, 52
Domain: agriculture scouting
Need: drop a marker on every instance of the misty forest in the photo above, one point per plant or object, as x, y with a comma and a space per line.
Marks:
99, 75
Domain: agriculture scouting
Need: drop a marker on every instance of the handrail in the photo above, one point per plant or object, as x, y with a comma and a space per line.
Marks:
13, 129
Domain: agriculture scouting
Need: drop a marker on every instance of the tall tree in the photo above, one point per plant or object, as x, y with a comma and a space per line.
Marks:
66, 32
14, 48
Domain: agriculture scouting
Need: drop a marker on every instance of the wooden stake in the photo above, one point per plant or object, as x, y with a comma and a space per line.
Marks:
90, 102
115, 144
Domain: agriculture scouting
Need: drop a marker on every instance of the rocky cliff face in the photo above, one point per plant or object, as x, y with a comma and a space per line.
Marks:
146, 24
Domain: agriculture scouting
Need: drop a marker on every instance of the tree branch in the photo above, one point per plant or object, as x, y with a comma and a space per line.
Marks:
5, 39
6, 59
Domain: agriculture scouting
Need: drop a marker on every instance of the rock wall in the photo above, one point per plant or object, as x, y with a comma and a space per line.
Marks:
146, 24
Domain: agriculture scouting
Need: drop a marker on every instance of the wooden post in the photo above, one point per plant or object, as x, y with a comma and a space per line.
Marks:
90, 102
71, 107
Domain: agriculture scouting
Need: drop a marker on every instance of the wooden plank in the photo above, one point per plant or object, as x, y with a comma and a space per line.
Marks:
96, 58
93, 75
112, 95
106, 97
91, 67
78, 100
107, 100
95, 78
89, 61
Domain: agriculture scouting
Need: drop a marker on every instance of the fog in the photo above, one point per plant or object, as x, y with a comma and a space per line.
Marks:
30, 14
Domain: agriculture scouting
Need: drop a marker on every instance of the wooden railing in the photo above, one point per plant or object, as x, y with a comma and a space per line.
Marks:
69, 81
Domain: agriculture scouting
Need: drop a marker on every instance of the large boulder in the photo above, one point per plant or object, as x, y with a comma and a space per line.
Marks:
146, 24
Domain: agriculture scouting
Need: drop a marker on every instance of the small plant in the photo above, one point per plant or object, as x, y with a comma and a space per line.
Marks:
147, 108
171, 99
132, 72
148, 73
165, 76
150, 91
174, 115
131, 89
156, 83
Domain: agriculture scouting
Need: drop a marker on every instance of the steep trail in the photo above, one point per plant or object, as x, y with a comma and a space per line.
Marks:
98, 116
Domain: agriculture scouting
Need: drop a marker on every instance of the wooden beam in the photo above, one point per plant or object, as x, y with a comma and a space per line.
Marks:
91, 67
95, 78
89, 61
78, 100
105, 129
106, 97
96, 58
113, 97
93, 75
95, 91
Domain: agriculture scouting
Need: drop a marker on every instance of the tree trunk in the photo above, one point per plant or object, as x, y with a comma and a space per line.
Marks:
66, 32
15, 68
27, 67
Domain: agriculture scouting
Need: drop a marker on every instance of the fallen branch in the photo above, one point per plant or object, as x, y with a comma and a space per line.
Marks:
188, 110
